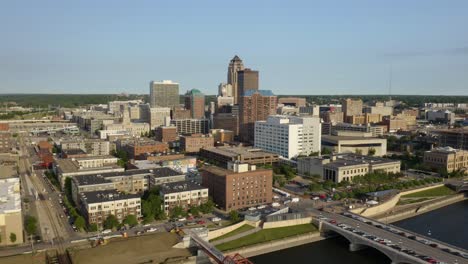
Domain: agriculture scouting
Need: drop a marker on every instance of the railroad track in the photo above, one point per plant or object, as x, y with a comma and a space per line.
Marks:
46, 206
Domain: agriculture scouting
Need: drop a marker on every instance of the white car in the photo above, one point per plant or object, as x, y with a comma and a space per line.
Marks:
152, 229
182, 219
215, 219
107, 231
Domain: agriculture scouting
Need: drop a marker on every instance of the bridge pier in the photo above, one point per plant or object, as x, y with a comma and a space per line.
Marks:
356, 247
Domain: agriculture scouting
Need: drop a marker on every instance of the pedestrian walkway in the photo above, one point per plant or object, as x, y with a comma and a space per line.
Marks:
237, 236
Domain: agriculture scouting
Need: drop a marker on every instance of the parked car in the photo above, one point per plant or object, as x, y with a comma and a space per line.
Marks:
215, 219
152, 229
106, 231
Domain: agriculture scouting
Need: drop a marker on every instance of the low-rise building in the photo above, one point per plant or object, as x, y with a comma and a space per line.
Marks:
361, 145
166, 133
94, 147
222, 135
343, 167
11, 220
98, 205
64, 168
136, 148
183, 194
447, 159
225, 154
74, 153
193, 143
239, 186
5, 142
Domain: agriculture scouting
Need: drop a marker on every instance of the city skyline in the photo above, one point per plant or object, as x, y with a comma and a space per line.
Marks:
325, 48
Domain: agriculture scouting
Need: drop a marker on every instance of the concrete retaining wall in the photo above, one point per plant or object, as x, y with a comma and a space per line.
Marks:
390, 204
292, 222
219, 232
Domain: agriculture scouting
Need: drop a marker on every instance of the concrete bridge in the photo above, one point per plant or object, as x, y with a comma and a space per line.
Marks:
390, 240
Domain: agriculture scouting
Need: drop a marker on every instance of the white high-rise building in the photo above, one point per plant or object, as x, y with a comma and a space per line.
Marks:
289, 136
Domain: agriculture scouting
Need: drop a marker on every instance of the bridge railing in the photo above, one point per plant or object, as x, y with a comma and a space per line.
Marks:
431, 239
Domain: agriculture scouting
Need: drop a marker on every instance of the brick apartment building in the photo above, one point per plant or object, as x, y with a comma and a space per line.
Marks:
166, 133
195, 142
239, 186
183, 194
138, 148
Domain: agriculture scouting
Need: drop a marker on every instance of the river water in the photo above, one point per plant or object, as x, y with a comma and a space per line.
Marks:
447, 224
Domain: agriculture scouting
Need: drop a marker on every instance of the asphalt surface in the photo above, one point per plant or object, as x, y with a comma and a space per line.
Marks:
418, 247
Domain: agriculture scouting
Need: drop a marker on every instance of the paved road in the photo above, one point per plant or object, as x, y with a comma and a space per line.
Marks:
418, 247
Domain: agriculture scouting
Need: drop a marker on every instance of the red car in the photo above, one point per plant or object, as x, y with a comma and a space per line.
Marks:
332, 221
201, 222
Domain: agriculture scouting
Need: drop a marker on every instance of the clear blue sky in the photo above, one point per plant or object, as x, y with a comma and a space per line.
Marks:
299, 47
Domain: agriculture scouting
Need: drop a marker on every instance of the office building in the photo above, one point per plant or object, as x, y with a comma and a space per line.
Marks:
98, 205
256, 105
155, 116
183, 194
352, 107
239, 186
235, 65
247, 80
164, 94
447, 159
195, 102
332, 117
346, 129
226, 121
225, 154
11, 219
344, 167
222, 135
289, 136
191, 126
166, 134
194, 142
362, 145
440, 116
455, 138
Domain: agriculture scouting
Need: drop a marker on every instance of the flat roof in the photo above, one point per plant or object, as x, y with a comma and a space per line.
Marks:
106, 196
71, 165
10, 198
100, 178
246, 152
351, 159
183, 186
219, 171
338, 138
74, 151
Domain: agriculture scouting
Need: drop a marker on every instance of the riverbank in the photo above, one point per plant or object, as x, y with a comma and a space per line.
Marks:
412, 210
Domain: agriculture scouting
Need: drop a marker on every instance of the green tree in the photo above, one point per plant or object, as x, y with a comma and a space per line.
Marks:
336, 196
194, 210
130, 220
207, 207
93, 228
80, 222
371, 152
326, 151
177, 212
234, 216
12, 237
111, 222
358, 151
30, 223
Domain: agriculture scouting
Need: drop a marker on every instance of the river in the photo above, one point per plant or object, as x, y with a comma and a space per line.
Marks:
446, 224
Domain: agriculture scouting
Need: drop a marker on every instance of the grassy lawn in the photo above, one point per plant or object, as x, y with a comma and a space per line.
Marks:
410, 201
235, 232
439, 191
267, 235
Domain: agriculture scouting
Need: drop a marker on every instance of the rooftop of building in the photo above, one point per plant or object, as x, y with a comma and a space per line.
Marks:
261, 92
97, 178
74, 151
446, 150
351, 159
183, 186
234, 151
220, 171
92, 179
338, 138
72, 165
10, 198
106, 196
